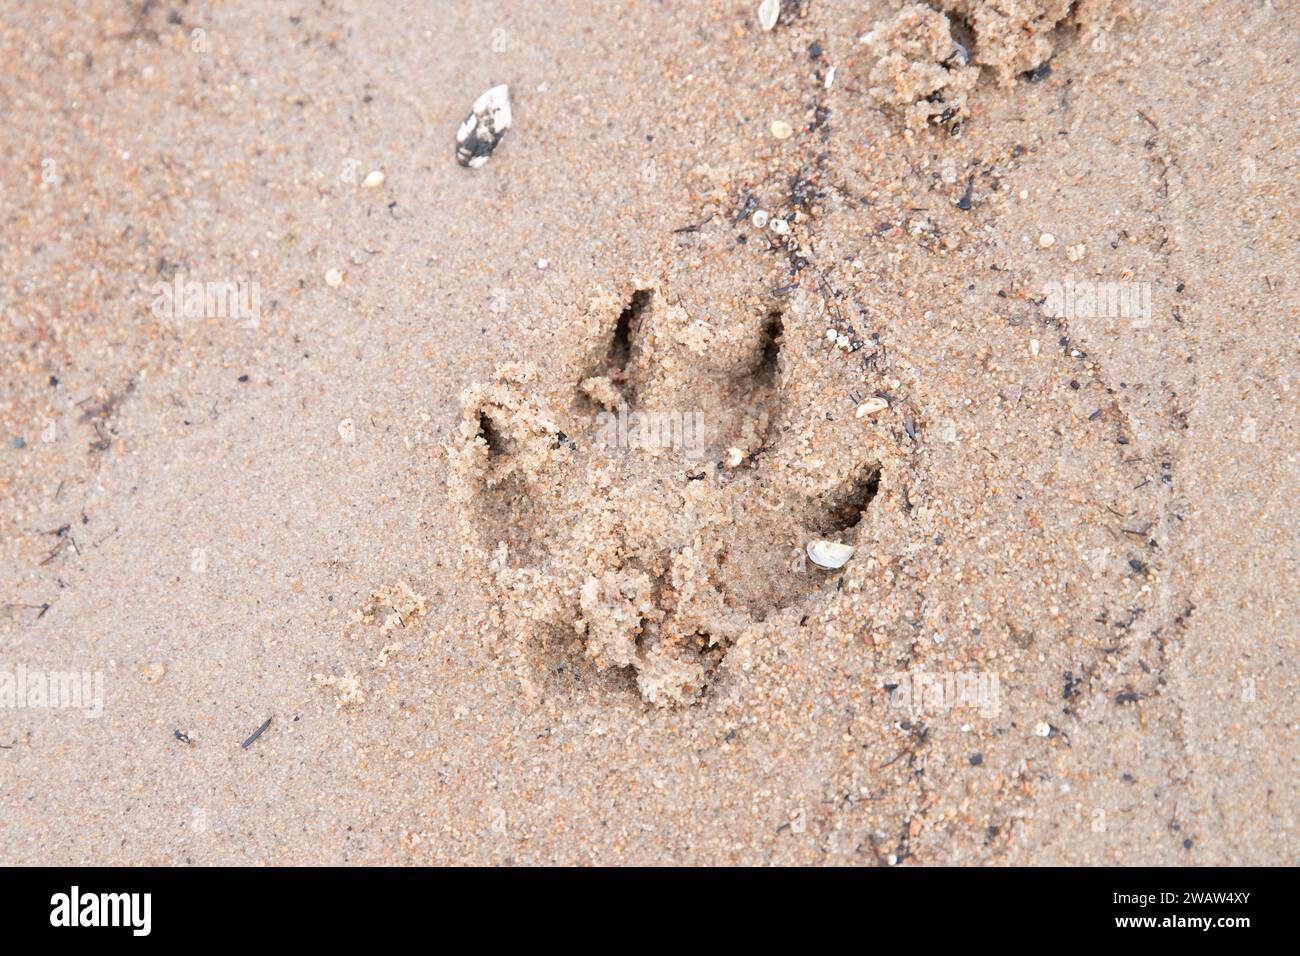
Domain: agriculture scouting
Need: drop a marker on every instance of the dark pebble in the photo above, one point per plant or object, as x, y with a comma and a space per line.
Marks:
1038, 73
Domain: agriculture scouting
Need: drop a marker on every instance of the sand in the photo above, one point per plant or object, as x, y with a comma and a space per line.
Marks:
1020, 334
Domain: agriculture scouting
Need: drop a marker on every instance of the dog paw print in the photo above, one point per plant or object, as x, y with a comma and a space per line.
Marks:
642, 512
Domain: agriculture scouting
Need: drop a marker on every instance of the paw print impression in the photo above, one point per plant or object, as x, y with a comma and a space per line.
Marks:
645, 515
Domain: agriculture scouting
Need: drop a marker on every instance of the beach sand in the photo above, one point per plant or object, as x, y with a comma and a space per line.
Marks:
1021, 334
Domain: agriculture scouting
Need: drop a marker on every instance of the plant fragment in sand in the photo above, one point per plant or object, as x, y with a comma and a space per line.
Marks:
920, 72
483, 128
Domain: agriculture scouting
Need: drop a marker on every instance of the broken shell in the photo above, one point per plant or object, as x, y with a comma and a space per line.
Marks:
734, 457
829, 554
871, 407
483, 128
769, 11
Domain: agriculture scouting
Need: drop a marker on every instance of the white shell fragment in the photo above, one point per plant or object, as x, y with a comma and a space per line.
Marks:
769, 11
871, 406
483, 128
829, 554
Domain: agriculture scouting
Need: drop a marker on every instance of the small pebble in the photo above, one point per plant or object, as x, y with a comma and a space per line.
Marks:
781, 129
333, 278
347, 431
153, 673
780, 227
769, 12
734, 457
760, 218
374, 180
1046, 240
1043, 729
543, 263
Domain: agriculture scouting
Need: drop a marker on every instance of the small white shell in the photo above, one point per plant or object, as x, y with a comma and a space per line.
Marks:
829, 554
769, 11
483, 127
871, 406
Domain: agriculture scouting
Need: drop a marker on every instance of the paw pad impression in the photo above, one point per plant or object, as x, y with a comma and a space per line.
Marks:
636, 514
